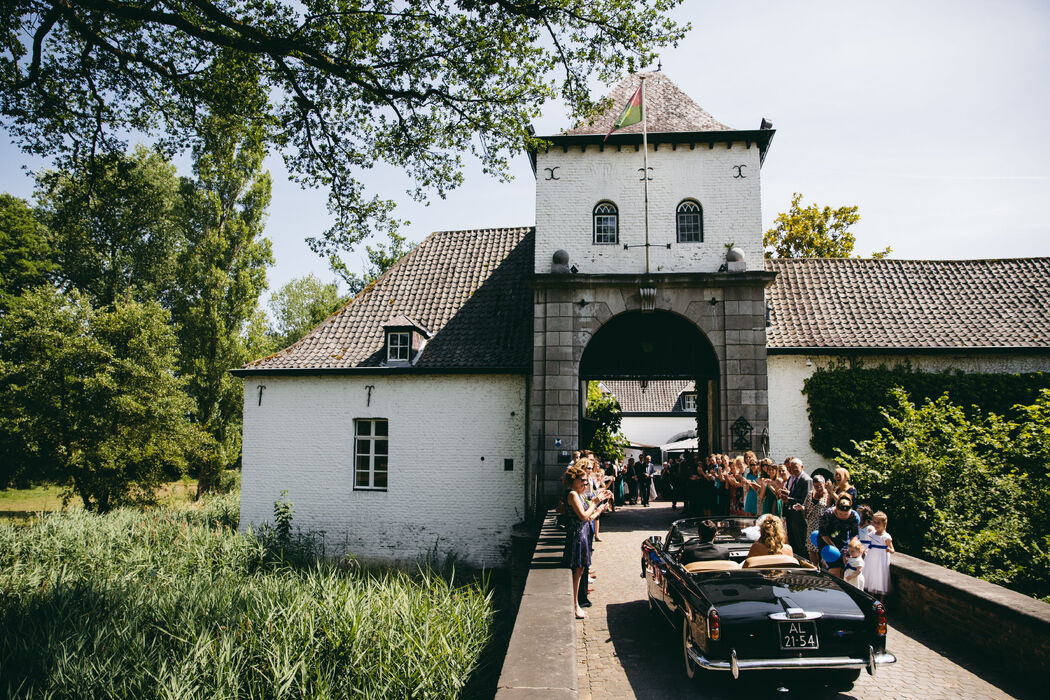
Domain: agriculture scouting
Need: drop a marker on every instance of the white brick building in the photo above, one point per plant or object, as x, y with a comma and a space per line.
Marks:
439, 406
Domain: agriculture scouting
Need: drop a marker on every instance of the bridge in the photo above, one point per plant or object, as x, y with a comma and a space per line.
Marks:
621, 651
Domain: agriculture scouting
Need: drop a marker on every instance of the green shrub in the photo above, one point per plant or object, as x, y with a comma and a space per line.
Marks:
969, 493
165, 604
846, 399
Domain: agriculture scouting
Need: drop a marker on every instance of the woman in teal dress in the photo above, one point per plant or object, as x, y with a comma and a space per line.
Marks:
751, 498
769, 503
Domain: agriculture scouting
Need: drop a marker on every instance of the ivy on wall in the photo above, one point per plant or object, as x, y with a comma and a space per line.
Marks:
845, 398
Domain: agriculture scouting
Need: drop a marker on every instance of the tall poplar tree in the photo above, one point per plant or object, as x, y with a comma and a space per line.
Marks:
222, 266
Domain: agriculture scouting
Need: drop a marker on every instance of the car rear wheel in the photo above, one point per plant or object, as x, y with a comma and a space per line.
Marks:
691, 668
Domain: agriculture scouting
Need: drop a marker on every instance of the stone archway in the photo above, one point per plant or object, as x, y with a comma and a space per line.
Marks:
658, 345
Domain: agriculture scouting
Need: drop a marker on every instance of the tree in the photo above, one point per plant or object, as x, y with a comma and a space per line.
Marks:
112, 222
90, 398
380, 259
812, 232
222, 265
26, 258
956, 489
605, 410
415, 84
299, 306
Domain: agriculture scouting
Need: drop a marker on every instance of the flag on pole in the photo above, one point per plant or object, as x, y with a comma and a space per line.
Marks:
632, 113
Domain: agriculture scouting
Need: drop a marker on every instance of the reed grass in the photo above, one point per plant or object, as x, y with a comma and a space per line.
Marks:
177, 604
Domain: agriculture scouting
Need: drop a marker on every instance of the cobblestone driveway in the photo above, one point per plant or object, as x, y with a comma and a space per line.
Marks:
623, 652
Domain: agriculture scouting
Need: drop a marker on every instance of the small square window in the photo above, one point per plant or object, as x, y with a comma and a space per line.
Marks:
689, 402
398, 346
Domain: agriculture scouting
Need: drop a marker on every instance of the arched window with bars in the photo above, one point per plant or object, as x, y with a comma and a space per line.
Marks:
606, 224
689, 222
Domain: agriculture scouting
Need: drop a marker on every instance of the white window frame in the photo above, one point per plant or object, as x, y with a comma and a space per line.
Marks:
690, 208
606, 215
398, 346
689, 402
365, 447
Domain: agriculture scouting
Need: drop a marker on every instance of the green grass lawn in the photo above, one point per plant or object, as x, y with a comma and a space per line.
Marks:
22, 505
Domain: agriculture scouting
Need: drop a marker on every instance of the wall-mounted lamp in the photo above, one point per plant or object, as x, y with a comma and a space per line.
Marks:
713, 302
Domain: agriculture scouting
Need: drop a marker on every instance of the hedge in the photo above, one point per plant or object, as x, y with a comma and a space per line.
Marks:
845, 399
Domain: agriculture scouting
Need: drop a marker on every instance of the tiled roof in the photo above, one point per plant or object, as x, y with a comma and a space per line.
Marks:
658, 396
857, 303
669, 109
469, 288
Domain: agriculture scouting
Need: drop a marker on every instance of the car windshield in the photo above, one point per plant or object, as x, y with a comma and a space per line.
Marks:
731, 529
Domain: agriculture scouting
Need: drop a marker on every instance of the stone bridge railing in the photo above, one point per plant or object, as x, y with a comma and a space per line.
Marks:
541, 656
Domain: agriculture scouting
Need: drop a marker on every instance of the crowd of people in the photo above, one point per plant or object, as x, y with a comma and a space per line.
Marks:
796, 514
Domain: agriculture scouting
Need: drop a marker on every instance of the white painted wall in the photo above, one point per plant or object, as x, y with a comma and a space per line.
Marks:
655, 430
732, 207
448, 491
789, 429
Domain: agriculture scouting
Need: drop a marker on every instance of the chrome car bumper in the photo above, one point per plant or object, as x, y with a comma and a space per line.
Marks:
735, 666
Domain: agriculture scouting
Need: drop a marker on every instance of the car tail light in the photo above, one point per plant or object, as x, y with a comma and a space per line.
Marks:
880, 619
714, 627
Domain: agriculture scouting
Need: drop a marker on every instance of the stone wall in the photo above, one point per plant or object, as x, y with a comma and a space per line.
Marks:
789, 429
734, 324
998, 627
448, 493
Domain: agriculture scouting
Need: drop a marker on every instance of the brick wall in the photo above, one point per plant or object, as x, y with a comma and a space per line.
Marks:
789, 429
731, 206
449, 437
1002, 628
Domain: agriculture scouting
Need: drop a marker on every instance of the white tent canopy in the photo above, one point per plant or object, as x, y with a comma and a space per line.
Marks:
680, 446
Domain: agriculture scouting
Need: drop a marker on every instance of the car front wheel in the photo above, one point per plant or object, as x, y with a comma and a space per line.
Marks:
687, 642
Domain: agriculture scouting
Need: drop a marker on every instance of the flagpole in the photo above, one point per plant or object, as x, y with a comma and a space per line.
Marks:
645, 172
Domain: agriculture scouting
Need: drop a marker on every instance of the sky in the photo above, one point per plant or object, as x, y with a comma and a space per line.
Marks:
926, 115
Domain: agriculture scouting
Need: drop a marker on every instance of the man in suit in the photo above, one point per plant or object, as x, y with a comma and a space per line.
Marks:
705, 549
794, 496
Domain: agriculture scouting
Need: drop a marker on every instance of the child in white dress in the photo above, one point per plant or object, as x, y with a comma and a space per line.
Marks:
877, 561
853, 572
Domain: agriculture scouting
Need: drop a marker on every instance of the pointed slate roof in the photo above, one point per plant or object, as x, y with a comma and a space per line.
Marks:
469, 288
670, 109
909, 304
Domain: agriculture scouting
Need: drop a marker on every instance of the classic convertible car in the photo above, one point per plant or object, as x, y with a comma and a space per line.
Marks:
772, 613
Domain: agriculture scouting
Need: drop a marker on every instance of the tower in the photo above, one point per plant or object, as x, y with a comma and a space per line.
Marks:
680, 296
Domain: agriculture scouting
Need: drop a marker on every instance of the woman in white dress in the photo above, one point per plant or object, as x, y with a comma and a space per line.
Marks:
877, 559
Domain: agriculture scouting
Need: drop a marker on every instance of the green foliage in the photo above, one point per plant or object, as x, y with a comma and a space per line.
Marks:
26, 258
969, 492
221, 269
380, 259
299, 306
165, 604
845, 400
415, 85
89, 398
812, 232
605, 409
113, 225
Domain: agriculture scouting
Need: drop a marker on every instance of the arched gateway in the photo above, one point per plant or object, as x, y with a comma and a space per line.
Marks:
653, 346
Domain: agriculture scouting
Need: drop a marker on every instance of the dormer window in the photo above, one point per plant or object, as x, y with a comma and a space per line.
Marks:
606, 224
398, 346
405, 339
690, 222
689, 403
